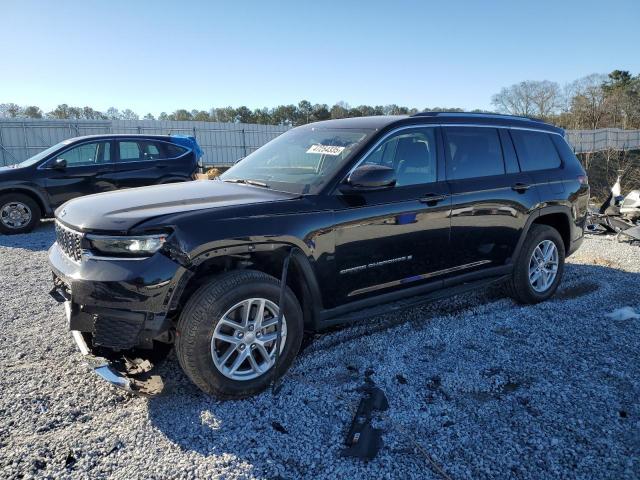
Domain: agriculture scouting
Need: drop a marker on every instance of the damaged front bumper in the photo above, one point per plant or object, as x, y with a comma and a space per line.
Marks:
123, 304
133, 375
117, 314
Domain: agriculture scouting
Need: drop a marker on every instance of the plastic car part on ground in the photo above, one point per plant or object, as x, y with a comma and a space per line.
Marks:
364, 441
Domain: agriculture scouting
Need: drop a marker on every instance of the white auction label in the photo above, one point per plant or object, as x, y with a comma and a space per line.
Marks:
325, 149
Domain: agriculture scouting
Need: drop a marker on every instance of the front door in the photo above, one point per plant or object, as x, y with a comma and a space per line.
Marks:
88, 170
391, 239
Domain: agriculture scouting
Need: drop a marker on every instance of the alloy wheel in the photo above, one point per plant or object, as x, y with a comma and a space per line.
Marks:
243, 345
543, 266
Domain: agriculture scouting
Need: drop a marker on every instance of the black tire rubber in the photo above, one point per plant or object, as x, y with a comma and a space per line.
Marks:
518, 287
200, 316
36, 214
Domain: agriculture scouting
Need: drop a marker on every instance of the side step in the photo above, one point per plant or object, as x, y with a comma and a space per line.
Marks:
410, 302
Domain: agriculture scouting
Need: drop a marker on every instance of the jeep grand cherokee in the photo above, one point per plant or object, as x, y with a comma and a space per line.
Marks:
357, 216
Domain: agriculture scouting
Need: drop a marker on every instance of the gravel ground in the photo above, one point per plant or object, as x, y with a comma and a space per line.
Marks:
484, 387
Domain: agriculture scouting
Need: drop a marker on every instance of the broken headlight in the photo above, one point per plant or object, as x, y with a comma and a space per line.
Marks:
125, 246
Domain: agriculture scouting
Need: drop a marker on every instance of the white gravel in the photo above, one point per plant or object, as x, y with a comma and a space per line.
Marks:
486, 388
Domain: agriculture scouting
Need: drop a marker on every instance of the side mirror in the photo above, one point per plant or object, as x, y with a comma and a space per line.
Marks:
59, 164
367, 178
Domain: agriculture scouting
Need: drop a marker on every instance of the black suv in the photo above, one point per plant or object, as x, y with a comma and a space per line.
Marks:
353, 217
80, 166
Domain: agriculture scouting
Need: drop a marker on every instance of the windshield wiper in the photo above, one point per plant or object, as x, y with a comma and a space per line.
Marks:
255, 183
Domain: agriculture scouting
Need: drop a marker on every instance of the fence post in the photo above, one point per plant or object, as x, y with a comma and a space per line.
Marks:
4, 160
244, 143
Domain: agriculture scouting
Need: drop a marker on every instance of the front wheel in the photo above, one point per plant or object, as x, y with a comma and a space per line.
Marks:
539, 267
227, 334
18, 213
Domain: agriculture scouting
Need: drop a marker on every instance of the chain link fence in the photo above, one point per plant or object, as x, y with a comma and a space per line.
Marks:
586, 141
223, 143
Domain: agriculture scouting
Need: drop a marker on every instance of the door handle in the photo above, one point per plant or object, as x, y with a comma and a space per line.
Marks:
432, 198
520, 187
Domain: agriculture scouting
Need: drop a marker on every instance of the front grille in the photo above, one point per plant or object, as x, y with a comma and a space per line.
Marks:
69, 241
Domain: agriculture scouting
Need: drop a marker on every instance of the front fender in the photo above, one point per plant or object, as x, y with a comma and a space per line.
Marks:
30, 189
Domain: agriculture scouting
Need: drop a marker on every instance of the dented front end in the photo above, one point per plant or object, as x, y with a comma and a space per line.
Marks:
118, 313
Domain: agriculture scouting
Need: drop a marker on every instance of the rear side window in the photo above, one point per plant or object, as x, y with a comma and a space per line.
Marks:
535, 150
566, 153
174, 151
129, 152
473, 152
151, 150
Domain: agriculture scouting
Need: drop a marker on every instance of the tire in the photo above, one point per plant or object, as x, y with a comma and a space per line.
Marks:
201, 318
519, 287
18, 202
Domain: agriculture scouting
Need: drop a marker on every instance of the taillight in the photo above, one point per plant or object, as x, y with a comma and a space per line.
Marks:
583, 179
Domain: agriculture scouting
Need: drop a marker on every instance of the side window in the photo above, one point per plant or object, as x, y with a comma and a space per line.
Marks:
174, 151
411, 153
87, 154
151, 150
568, 157
129, 151
473, 152
535, 150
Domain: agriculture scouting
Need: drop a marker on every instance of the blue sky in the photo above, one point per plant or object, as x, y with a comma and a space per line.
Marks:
160, 56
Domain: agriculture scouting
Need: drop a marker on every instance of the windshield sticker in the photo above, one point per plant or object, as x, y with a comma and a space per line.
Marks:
325, 149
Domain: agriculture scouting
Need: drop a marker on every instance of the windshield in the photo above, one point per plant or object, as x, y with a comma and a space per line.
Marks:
301, 160
39, 156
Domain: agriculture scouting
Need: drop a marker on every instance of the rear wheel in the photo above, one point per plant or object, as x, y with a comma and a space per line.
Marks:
19, 213
539, 266
227, 334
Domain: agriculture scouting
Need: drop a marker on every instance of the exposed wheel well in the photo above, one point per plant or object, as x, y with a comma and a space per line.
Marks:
560, 222
270, 262
28, 193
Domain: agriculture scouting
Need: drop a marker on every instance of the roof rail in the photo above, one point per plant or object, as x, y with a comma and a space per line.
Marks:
478, 114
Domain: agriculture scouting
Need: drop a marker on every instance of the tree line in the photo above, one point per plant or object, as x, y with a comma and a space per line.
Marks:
303, 112
594, 101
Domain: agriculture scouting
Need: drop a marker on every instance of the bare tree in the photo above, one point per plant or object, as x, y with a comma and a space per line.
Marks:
10, 110
589, 102
545, 96
529, 98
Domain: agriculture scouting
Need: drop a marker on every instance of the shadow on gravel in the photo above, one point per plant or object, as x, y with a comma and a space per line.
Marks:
495, 391
40, 239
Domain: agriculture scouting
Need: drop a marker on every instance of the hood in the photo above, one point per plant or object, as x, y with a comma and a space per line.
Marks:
121, 210
10, 171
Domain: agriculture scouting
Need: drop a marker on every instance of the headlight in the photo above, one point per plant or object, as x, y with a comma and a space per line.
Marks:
134, 246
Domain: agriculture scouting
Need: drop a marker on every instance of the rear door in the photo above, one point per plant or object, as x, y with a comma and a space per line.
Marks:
538, 156
396, 238
142, 162
88, 170
490, 197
